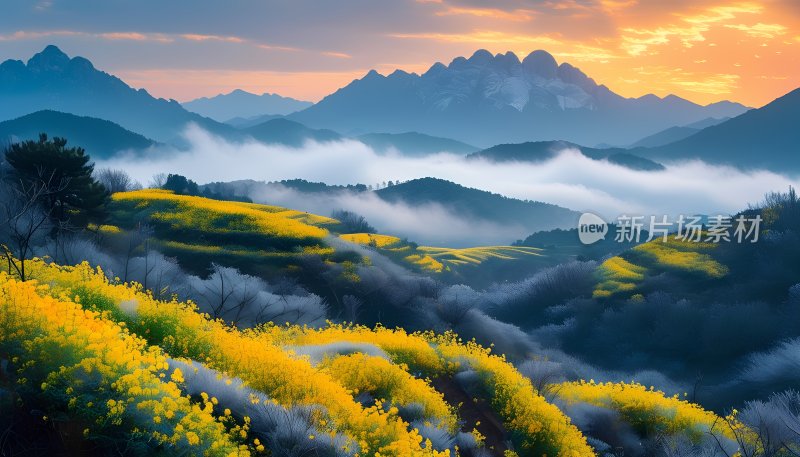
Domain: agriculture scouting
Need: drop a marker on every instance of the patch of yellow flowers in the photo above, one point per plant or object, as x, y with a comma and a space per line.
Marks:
102, 348
648, 410
543, 427
181, 331
101, 373
215, 216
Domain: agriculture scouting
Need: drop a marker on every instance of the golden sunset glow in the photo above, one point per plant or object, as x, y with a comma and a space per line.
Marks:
705, 51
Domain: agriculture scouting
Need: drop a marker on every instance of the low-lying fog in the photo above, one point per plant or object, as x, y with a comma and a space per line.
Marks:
569, 180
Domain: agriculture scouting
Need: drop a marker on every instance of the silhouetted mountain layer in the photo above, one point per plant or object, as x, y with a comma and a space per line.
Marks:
766, 137
245, 122
488, 99
480, 204
100, 138
289, 133
51, 80
676, 133
244, 104
539, 151
414, 144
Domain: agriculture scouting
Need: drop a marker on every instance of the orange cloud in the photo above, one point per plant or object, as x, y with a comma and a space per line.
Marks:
639, 41
704, 50
723, 13
760, 30
199, 37
25, 35
483, 36
340, 55
519, 15
134, 36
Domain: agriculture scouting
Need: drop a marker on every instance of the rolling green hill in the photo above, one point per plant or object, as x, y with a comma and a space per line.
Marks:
480, 204
200, 230
100, 138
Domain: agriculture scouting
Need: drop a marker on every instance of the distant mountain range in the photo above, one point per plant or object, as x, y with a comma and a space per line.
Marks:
414, 143
540, 151
243, 122
676, 133
484, 100
244, 104
767, 137
50, 80
490, 99
100, 138
289, 133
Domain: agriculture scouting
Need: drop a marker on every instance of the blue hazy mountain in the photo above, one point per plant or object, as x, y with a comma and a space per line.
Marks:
244, 104
479, 204
289, 133
767, 137
245, 122
414, 143
51, 80
539, 151
100, 138
491, 99
676, 133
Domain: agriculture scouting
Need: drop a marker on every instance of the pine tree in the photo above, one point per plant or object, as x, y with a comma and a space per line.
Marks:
63, 176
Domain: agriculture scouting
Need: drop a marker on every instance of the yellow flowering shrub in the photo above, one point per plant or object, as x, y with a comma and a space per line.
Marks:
105, 229
183, 332
623, 274
101, 372
478, 255
438, 259
618, 275
387, 381
540, 427
647, 410
370, 239
425, 262
72, 322
408, 350
683, 256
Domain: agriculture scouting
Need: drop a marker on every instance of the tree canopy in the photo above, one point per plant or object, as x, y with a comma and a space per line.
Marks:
60, 177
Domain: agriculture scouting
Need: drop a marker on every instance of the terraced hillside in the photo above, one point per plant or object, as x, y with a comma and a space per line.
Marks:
456, 263
199, 230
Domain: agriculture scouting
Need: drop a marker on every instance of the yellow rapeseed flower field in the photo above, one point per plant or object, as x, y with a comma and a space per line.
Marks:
215, 216
70, 324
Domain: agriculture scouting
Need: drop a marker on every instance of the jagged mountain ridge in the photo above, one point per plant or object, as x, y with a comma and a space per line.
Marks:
51, 80
243, 104
490, 99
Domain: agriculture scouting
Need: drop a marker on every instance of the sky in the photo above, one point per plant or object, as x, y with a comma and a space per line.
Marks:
702, 50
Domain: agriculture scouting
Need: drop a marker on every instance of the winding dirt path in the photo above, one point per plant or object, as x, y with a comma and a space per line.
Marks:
472, 412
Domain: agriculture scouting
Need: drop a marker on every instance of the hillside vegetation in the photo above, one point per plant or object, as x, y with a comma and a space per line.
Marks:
197, 229
108, 360
200, 230
439, 259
